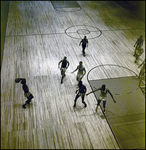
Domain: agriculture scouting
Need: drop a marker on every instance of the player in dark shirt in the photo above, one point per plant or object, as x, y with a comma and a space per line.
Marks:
138, 44
27, 94
64, 65
102, 96
80, 92
25, 88
84, 43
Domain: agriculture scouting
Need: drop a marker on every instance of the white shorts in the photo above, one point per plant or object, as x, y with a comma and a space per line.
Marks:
80, 75
102, 98
63, 69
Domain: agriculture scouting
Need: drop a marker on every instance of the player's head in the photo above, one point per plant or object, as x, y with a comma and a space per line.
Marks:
84, 37
65, 57
141, 36
80, 64
103, 86
23, 81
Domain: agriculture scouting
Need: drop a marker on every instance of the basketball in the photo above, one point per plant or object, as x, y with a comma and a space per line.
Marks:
17, 80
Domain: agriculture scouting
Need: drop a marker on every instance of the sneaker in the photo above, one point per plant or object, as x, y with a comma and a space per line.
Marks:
23, 106
104, 111
61, 81
85, 105
84, 54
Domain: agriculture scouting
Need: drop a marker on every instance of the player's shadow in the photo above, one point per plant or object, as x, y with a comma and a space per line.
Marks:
20, 105
102, 116
17, 105
78, 108
86, 54
99, 113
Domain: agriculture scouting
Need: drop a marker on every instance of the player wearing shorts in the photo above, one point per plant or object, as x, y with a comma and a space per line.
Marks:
64, 65
138, 44
25, 88
102, 96
80, 92
84, 44
81, 71
27, 94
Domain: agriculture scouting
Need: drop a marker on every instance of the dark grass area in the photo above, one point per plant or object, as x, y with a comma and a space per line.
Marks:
126, 117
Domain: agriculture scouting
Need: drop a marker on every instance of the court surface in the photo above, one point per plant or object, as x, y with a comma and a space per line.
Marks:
126, 117
64, 4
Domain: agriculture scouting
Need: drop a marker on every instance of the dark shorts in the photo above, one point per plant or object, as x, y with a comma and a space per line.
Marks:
84, 46
28, 101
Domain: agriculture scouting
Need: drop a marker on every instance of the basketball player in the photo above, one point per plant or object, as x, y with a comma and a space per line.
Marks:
138, 53
81, 71
84, 43
25, 88
64, 66
102, 96
80, 92
138, 44
142, 70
